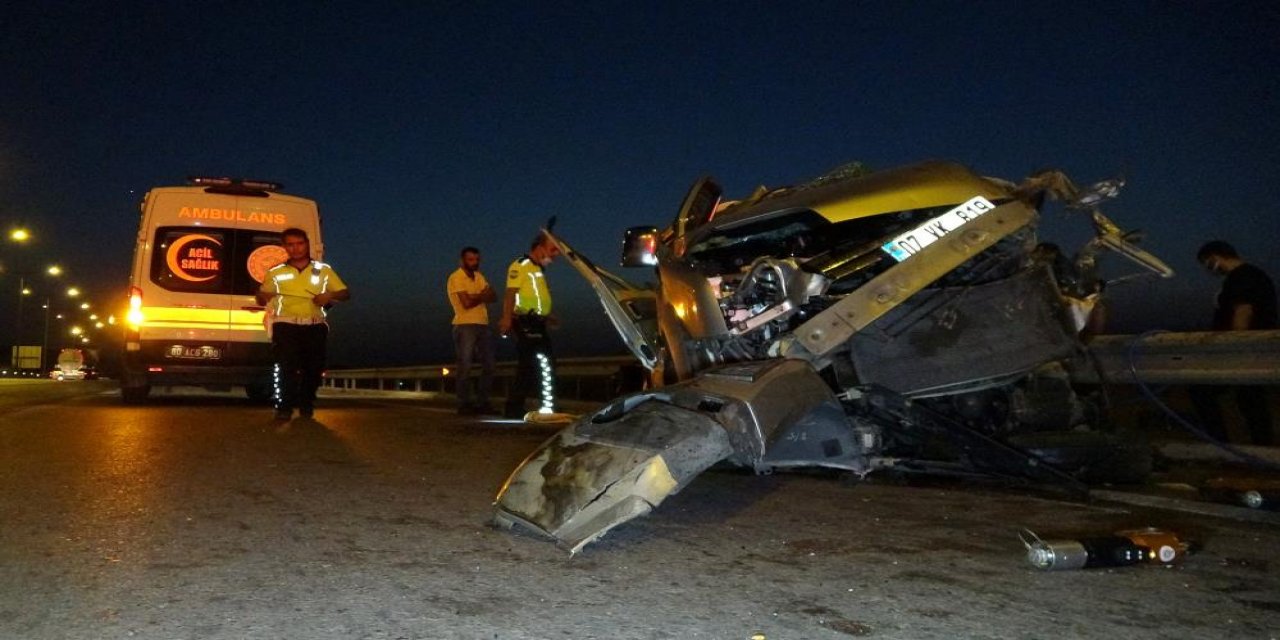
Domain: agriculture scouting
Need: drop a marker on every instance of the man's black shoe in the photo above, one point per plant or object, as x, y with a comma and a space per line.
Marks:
283, 415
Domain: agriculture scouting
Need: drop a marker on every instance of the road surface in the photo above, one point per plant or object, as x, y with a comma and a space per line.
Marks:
198, 517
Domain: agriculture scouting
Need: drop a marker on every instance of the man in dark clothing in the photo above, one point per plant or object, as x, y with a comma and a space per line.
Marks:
1246, 301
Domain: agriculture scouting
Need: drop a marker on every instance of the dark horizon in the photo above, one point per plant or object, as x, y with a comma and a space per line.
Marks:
420, 130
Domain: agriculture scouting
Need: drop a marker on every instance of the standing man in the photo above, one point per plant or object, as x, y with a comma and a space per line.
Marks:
297, 293
526, 313
1246, 301
469, 293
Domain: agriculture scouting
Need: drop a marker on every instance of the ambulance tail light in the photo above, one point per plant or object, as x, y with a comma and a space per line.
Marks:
135, 308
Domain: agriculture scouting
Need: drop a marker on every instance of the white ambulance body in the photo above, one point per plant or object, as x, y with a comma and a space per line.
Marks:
201, 253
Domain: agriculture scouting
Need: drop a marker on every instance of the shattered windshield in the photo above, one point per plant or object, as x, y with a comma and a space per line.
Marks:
793, 234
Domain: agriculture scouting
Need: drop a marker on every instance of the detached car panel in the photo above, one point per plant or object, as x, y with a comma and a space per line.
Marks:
624, 460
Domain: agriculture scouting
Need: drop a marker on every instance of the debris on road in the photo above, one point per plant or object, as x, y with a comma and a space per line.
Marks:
1255, 493
1125, 548
555, 418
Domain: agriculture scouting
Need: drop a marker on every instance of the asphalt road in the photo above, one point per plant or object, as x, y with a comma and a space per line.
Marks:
197, 517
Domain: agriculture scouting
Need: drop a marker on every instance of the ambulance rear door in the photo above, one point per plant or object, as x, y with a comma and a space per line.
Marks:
186, 288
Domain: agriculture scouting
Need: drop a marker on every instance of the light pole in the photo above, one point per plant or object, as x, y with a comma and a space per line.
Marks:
23, 292
44, 346
19, 235
72, 292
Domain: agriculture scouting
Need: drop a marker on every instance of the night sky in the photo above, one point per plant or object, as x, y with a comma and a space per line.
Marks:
419, 130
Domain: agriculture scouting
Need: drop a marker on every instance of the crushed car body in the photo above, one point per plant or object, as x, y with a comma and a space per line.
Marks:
856, 322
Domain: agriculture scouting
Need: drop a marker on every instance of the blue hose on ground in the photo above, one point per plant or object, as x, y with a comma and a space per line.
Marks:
1131, 353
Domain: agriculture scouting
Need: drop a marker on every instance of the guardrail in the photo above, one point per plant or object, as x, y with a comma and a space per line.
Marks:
1200, 357
593, 378
1210, 357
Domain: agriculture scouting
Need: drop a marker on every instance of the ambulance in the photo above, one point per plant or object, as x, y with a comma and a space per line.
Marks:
202, 251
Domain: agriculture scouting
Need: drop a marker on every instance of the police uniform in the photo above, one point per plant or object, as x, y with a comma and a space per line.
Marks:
535, 362
298, 330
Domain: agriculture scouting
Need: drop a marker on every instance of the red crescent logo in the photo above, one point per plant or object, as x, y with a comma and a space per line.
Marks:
171, 258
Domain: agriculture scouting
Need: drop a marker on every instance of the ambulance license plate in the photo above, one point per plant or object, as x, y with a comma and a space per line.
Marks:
187, 352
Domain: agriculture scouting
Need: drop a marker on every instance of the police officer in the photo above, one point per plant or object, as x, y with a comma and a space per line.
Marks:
297, 293
526, 314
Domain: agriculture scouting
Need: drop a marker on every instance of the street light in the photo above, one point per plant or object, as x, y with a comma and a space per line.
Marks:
23, 292
75, 331
84, 305
19, 235
72, 292
23, 235
44, 344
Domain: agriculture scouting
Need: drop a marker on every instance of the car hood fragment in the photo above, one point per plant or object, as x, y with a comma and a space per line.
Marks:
624, 460
596, 475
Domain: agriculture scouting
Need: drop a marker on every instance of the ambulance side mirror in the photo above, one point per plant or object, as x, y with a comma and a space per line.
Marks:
640, 247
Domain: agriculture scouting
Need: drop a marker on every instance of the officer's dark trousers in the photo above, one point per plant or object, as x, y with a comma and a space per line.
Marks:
1252, 402
535, 366
299, 352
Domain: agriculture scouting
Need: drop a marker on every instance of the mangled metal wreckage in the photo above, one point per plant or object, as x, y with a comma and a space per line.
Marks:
906, 318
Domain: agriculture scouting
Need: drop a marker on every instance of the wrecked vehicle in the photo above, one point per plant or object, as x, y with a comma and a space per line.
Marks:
905, 318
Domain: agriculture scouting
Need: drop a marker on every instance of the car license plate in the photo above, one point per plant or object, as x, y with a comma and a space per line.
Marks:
194, 353
914, 241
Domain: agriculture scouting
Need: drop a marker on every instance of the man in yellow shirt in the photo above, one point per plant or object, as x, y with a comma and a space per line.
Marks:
469, 295
526, 314
297, 293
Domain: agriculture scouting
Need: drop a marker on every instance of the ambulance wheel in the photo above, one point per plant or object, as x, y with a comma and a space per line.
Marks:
1091, 456
259, 393
135, 395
